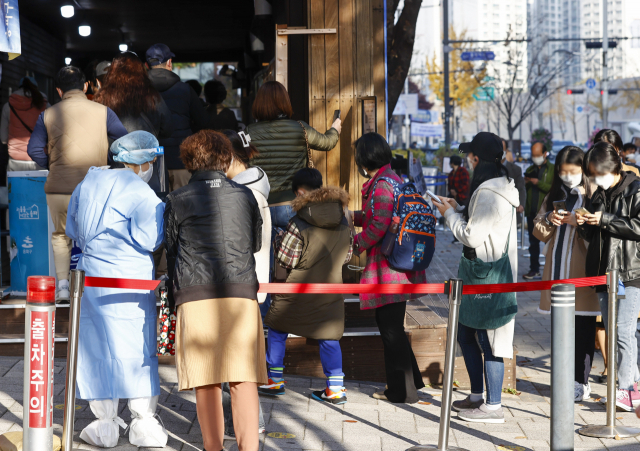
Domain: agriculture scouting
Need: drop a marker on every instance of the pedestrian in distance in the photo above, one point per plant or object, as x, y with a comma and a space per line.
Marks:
458, 180
68, 139
314, 247
612, 228
19, 117
373, 159
187, 110
220, 117
629, 155
566, 252
487, 229
284, 145
537, 178
128, 92
117, 221
213, 228
515, 172
612, 137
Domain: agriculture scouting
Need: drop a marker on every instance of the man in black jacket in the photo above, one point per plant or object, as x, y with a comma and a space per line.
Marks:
186, 110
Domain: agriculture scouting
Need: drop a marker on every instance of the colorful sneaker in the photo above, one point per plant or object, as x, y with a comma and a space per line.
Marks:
623, 401
635, 395
272, 389
330, 396
465, 404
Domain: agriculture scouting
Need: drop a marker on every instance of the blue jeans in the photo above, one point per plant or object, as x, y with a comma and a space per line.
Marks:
628, 309
330, 354
228, 413
472, 350
280, 217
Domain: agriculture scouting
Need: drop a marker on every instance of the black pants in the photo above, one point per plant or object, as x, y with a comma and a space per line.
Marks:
585, 347
534, 247
403, 374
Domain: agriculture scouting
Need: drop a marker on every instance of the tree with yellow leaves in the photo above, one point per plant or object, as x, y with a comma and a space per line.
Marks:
464, 78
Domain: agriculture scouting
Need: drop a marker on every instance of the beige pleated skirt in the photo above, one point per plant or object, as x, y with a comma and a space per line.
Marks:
219, 340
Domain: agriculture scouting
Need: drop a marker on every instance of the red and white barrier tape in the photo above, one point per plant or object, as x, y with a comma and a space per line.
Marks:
356, 288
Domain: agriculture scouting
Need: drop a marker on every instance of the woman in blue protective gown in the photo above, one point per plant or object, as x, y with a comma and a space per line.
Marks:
117, 220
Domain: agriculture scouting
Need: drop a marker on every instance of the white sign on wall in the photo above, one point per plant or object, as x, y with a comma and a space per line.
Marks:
407, 104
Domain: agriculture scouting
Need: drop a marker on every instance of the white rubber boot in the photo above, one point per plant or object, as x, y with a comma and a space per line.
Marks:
104, 431
145, 429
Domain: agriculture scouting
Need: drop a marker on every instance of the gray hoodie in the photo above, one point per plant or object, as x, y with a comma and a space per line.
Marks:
256, 179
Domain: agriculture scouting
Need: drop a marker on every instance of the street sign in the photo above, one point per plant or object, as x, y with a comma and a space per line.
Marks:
484, 94
591, 83
580, 109
424, 116
407, 104
426, 130
478, 56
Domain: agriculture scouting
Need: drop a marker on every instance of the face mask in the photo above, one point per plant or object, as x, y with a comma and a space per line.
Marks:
363, 172
571, 180
604, 181
470, 162
146, 175
537, 160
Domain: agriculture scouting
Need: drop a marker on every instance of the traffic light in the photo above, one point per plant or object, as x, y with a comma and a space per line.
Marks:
598, 44
611, 91
575, 91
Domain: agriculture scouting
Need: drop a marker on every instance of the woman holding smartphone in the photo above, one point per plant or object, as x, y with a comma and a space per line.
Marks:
566, 252
612, 229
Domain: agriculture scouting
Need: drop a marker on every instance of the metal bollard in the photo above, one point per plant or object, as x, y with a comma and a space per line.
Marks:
39, 334
76, 290
610, 430
563, 326
455, 298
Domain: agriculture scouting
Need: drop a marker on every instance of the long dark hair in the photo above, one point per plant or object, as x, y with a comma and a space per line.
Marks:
609, 136
127, 89
568, 155
37, 99
604, 157
485, 170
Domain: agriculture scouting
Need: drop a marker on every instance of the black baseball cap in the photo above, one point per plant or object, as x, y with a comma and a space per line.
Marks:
158, 54
486, 146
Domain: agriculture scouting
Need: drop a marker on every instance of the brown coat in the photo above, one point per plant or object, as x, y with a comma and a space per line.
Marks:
626, 167
325, 245
586, 298
77, 140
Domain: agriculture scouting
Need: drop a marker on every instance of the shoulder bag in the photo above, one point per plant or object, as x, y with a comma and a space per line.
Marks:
306, 140
487, 311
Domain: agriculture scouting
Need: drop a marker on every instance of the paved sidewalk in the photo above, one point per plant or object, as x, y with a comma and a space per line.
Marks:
365, 423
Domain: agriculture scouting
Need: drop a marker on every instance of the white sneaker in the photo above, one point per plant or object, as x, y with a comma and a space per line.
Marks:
587, 392
62, 293
578, 391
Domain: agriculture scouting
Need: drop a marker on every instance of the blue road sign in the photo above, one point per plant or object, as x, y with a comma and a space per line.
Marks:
579, 109
477, 56
591, 83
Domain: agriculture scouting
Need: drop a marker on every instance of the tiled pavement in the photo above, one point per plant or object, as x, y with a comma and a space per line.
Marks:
365, 423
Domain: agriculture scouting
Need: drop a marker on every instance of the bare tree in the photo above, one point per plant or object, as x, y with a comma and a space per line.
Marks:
401, 36
529, 81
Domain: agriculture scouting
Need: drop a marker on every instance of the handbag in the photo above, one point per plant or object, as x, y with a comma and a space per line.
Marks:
493, 310
167, 326
306, 140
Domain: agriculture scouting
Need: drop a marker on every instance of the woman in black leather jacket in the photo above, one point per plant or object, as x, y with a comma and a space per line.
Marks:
213, 227
612, 229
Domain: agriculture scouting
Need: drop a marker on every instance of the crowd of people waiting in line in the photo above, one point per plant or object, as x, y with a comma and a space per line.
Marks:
144, 168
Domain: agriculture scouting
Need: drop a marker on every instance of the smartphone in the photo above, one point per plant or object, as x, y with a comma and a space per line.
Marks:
560, 207
583, 211
336, 115
434, 197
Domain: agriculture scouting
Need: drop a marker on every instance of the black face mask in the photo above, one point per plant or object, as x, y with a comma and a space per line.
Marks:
363, 173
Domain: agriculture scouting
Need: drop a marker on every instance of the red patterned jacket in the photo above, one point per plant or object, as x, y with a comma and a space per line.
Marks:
374, 223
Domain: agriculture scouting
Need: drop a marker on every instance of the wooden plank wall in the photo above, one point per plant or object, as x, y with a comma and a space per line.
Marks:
344, 67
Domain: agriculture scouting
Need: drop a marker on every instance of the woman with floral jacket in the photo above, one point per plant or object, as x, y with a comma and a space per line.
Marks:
373, 158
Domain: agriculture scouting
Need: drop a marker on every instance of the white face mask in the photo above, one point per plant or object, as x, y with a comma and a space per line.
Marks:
470, 162
604, 181
537, 160
146, 175
571, 180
